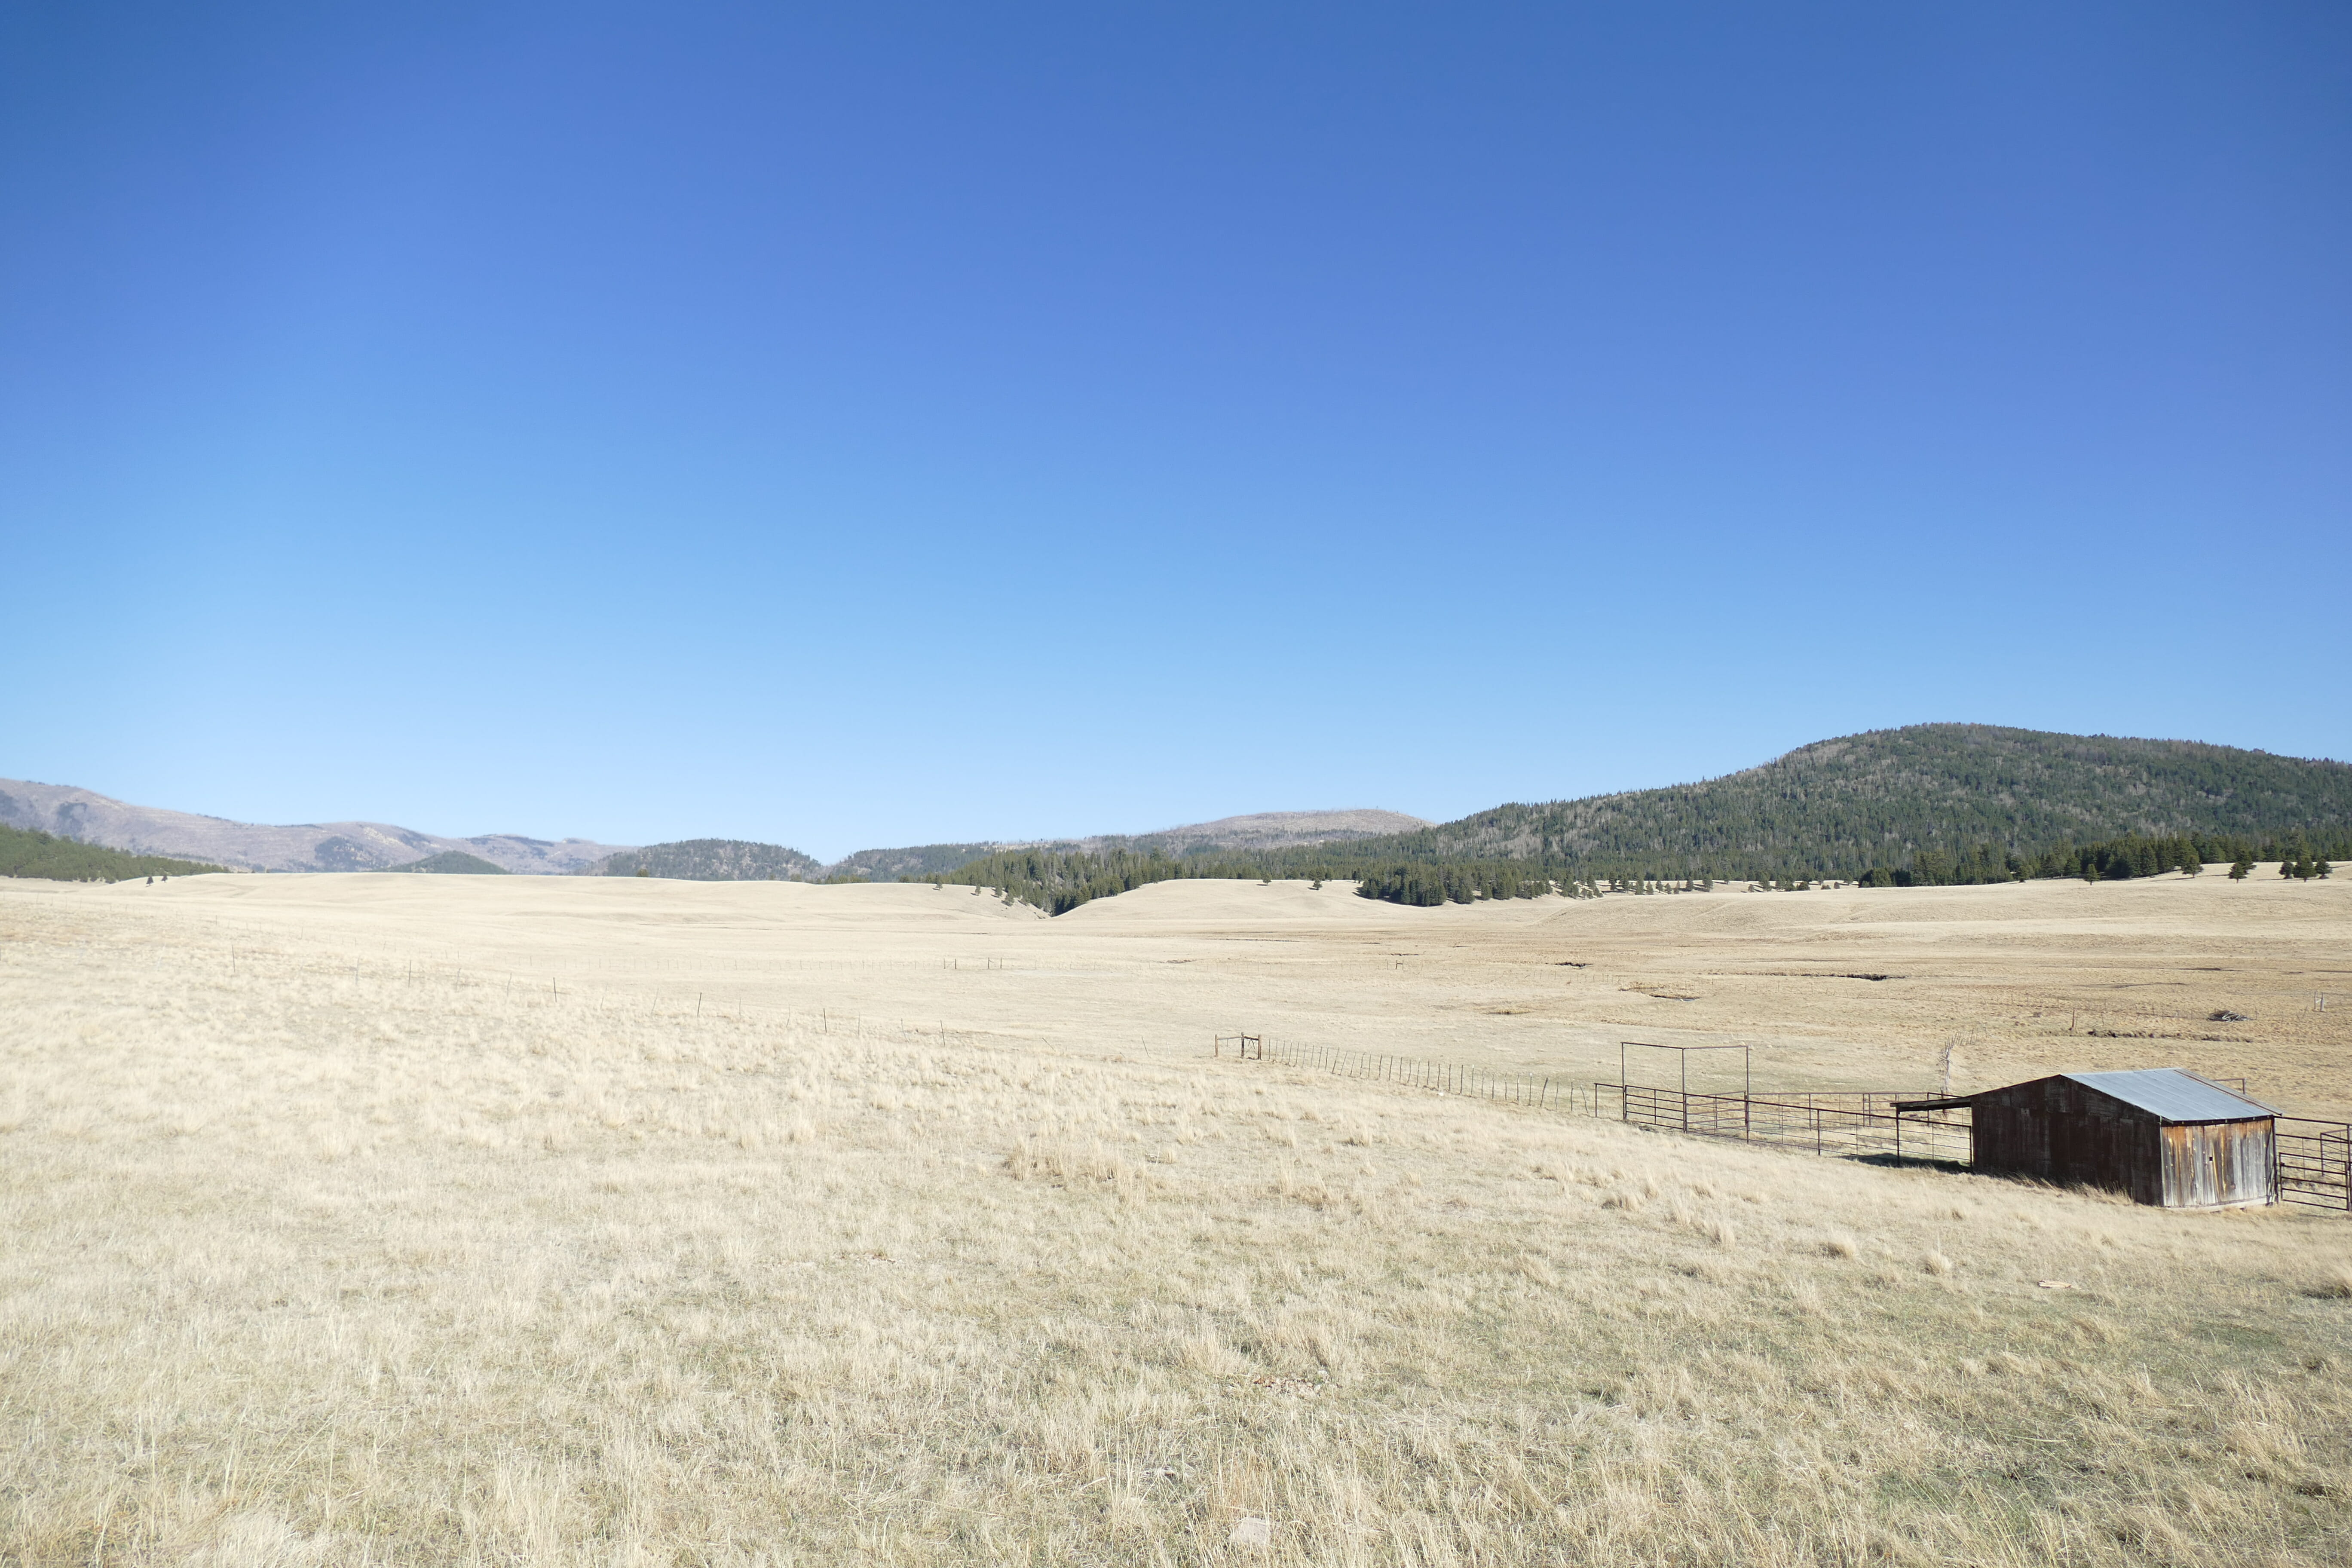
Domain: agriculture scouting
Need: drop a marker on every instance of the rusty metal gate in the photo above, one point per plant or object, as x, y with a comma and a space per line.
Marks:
2314, 1163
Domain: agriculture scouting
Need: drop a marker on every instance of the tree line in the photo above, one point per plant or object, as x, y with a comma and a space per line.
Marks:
1058, 882
2116, 859
28, 852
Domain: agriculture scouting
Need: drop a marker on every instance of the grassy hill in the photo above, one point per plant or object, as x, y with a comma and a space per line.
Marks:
454, 863
1839, 807
713, 860
25, 853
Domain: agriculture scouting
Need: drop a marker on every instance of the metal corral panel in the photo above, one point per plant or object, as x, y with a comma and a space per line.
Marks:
2065, 1129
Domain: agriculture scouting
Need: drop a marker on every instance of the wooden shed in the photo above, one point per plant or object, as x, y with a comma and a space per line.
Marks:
2164, 1135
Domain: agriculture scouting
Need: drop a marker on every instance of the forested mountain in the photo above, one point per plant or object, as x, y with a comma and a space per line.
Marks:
712, 860
1933, 803
1839, 807
453, 863
909, 864
25, 853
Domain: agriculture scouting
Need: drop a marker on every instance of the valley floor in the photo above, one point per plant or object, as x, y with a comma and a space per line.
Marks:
411, 1219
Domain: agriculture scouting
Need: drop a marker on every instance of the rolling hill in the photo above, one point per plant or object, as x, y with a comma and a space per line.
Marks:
712, 860
453, 863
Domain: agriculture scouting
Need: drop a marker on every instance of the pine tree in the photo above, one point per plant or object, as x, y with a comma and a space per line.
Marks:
2242, 867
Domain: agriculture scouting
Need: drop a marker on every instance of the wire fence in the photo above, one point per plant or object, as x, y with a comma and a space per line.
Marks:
1850, 1122
1442, 1077
2314, 1159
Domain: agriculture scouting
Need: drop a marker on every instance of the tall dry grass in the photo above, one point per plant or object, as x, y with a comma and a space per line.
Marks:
310, 1267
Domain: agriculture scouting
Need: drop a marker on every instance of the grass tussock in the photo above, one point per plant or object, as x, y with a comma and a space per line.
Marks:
311, 1267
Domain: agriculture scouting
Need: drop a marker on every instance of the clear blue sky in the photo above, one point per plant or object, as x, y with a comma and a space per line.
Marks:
877, 425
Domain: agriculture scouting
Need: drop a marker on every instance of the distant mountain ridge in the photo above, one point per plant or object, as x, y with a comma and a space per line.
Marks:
1259, 831
86, 815
1834, 809
716, 859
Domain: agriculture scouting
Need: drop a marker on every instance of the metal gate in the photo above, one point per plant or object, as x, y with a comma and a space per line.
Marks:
2314, 1163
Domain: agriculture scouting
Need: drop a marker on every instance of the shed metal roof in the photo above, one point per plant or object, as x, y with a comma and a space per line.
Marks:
2174, 1094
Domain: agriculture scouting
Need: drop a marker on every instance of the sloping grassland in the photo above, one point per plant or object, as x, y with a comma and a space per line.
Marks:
350, 1244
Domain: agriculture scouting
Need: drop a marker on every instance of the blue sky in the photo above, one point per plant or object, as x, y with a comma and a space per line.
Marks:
888, 423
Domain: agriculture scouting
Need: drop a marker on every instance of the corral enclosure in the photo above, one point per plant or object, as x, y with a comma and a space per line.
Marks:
409, 1219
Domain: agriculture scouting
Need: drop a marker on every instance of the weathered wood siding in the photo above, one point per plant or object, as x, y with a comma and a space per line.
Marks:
2055, 1129
2062, 1130
2218, 1165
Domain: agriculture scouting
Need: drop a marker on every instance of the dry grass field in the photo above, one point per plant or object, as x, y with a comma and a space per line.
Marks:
507, 1220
